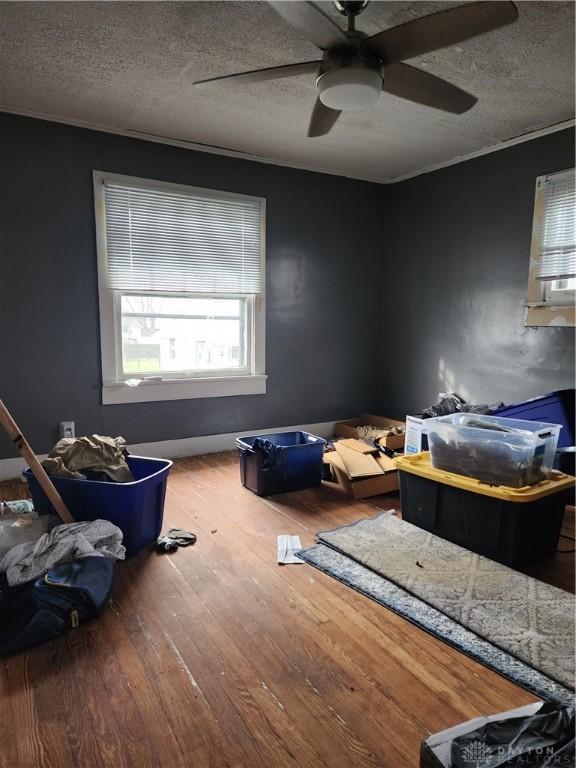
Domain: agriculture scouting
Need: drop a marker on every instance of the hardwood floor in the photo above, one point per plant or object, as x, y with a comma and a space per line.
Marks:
216, 656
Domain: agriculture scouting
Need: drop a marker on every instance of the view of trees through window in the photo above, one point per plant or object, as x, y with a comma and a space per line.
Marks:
173, 334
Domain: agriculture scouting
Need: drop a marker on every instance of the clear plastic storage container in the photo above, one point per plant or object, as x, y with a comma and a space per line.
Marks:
493, 449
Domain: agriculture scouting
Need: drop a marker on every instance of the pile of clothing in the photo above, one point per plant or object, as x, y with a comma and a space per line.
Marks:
55, 576
488, 461
450, 402
64, 543
376, 433
90, 458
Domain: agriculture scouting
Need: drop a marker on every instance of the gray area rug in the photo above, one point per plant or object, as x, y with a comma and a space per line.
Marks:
520, 627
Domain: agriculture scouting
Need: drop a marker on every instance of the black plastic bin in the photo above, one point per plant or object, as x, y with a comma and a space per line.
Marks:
511, 525
294, 463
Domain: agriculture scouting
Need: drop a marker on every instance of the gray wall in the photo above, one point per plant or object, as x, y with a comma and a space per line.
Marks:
457, 246
430, 272
323, 324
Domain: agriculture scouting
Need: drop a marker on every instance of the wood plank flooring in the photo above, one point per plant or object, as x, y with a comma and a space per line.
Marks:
217, 657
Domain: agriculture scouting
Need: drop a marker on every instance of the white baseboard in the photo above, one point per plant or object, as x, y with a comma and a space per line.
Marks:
187, 446
11, 469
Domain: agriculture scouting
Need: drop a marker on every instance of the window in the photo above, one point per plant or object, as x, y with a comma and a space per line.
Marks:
181, 283
552, 279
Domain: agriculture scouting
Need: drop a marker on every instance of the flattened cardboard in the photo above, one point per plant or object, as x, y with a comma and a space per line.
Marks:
363, 488
387, 464
358, 445
357, 464
348, 429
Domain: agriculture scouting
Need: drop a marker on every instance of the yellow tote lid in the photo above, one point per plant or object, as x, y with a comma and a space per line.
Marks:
419, 464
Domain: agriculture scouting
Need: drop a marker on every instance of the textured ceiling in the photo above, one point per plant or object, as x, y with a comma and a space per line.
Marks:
130, 66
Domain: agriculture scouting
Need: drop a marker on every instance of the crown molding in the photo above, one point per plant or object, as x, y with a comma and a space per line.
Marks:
505, 144
181, 143
226, 152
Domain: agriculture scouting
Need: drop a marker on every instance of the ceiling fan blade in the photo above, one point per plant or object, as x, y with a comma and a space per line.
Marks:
423, 88
322, 120
312, 23
440, 30
270, 73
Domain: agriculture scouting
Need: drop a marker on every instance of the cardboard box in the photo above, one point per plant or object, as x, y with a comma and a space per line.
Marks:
348, 429
357, 445
363, 488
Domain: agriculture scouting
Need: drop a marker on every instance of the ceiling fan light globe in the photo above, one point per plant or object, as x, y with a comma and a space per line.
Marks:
349, 88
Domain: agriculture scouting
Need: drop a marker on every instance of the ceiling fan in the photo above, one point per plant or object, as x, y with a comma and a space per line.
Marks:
355, 68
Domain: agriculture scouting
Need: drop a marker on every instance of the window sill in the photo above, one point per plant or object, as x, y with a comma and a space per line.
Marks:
183, 389
552, 315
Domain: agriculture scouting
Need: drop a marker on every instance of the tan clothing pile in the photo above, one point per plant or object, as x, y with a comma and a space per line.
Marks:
73, 455
376, 433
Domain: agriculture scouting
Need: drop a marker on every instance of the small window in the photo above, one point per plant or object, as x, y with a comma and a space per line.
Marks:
181, 279
552, 277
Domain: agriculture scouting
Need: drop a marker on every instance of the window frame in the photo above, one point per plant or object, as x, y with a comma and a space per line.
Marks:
250, 381
542, 309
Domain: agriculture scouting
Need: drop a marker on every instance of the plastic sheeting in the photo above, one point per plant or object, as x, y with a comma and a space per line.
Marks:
542, 740
450, 402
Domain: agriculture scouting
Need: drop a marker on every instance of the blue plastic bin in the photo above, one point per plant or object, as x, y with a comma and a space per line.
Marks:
136, 508
554, 408
297, 465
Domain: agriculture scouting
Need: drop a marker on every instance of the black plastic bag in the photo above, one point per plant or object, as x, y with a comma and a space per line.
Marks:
542, 740
450, 402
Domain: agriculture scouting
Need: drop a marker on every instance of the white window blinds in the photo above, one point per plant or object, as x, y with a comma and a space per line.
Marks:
162, 240
557, 256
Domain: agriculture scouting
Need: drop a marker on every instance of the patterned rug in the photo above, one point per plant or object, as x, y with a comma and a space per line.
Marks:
514, 624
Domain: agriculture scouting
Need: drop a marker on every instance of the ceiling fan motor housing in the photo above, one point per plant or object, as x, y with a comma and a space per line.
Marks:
350, 8
349, 79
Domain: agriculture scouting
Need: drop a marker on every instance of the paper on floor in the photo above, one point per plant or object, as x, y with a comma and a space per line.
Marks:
287, 547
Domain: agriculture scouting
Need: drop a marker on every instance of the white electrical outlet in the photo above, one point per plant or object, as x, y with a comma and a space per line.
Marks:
67, 429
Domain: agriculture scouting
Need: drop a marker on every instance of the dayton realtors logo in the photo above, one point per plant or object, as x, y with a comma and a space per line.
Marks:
478, 754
